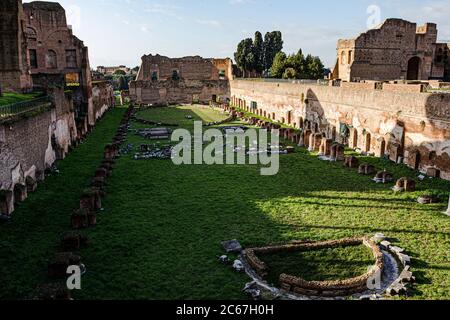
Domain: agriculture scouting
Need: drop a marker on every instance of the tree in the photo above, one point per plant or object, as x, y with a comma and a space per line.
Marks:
279, 65
273, 44
243, 61
258, 52
290, 73
120, 73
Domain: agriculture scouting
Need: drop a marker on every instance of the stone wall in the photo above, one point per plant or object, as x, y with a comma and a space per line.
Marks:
396, 49
413, 127
14, 75
162, 80
102, 98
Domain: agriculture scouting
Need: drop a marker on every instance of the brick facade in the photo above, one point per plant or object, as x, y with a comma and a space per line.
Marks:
395, 50
162, 80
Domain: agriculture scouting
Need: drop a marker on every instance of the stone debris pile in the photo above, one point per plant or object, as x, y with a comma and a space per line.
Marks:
155, 133
154, 151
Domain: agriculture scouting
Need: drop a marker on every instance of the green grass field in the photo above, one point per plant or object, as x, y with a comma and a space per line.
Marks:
9, 98
159, 235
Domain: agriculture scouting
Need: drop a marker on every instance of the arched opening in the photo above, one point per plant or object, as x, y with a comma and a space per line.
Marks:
432, 157
289, 117
355, 139
300, 122
414, 68
20, 193
368, 141
382, 148
265, 114
273, 116
417, 159
343, 57
316, 127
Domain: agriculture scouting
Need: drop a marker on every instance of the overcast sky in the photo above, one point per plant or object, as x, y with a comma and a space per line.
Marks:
121, 31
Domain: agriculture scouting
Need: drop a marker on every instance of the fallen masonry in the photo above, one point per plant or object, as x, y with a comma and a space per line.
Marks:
154, 152
155, 133
392, 268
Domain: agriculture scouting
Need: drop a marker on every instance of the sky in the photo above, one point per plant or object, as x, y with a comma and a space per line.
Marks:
120, 32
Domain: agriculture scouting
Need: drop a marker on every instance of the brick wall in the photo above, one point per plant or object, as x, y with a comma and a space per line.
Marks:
390, 121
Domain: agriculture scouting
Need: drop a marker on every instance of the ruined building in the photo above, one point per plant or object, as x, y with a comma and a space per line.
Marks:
14, 69
163, 80
38, 52
395, 50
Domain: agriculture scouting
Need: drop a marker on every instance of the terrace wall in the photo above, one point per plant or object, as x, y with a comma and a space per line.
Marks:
406, 125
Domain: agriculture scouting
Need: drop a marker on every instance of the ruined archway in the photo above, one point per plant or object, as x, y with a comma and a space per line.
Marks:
414, 65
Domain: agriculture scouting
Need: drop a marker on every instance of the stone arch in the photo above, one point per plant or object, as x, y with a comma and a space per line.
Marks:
432, 156
300, 123
6, 202
20, 192
382, 148
368, 140
414, 65
343, 57
354, 139
289, 117
316, 127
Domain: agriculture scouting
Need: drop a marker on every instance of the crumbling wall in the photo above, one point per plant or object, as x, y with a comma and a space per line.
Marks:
384, 53
380, 122
162, 80
102, 98
32, 143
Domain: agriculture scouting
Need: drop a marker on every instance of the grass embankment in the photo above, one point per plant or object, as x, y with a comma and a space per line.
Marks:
32, 236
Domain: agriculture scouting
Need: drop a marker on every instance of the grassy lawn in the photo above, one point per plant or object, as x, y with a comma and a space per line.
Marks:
321, 265
32, 235
9, 98
159, 235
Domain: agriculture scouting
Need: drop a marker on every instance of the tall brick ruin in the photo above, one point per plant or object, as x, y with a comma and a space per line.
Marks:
39, 52
14, 70
163, 80
397, 49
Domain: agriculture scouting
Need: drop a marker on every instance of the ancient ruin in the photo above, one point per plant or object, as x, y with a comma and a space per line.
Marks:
41, 54
162, 80
395, 50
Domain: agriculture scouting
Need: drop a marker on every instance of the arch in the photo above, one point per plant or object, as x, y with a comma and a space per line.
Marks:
368, 141
300, 122
414, 65
355, 139
20, 193
343, 57
289, 117
432, 156
31, 33
51, 60
417, 159
316, 127
382, 148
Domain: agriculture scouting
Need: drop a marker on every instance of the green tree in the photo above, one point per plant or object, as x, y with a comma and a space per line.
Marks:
279, 65
242, 56
119, 73
273, 44
258, 51
290, 73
